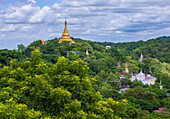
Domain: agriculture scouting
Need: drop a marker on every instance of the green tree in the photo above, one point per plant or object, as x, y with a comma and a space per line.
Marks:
21, 47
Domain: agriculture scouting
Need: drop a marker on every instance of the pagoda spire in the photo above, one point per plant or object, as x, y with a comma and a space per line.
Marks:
141, 71
141, 58
66, 35
87, 52
65, 29
126, 68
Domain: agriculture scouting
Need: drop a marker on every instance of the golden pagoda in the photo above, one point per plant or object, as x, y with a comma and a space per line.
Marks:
66, 35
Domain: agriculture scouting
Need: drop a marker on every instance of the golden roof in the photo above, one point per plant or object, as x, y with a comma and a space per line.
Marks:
66, 35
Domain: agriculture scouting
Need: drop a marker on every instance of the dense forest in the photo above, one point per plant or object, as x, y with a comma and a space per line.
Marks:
59, 80
158, 48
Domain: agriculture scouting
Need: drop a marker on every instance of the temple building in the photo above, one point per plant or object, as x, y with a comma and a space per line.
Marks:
66, 35
140, 76
141, 58
108, 47
145, 78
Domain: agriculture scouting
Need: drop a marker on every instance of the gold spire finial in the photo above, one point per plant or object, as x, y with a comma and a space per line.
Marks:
141, 55
66, 35
87, 51
126, 66
141, 70
65, 29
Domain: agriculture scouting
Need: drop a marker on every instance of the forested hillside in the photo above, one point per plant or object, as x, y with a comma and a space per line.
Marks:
59, 80
158, 48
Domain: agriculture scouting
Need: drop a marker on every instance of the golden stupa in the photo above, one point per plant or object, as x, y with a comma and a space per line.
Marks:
66, 35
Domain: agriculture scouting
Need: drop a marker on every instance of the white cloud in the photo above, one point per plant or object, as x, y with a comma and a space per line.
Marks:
40, 15
118, 31
19, 14
56, 6
32, 1
9, 27
118, 20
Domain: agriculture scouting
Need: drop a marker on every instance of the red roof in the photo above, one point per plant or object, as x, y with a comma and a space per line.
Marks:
161, 109
157, 111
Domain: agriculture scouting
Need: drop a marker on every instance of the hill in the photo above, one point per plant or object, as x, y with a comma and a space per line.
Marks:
59, 80
158, 48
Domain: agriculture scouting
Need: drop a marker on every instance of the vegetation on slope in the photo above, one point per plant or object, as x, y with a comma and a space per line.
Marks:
77, 85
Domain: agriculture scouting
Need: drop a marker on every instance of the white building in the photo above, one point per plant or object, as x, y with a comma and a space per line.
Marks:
108, 47
146, 79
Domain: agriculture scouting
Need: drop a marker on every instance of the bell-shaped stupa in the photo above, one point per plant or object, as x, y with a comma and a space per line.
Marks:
66, 35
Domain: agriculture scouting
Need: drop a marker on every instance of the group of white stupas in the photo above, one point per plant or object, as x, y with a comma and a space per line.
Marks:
145, 78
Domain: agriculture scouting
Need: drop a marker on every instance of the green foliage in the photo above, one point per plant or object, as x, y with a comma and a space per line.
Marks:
154, 48
7, 55
33, 89
60, 83
21, 47
17, 111
145, 98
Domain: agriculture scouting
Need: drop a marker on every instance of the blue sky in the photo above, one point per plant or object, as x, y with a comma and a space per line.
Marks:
24, 21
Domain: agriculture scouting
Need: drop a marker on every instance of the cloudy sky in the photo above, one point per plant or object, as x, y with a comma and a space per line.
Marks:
24, 21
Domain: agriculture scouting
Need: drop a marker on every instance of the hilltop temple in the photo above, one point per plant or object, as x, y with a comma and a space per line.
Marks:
145, 78
66, 35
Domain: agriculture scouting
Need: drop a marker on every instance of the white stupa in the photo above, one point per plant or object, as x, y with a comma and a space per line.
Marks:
141, 58
140, 76
126, 68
